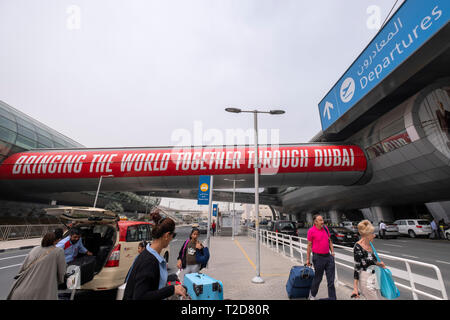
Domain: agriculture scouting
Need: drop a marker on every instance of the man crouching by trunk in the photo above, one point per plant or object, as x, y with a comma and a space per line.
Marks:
72, 245
319, 242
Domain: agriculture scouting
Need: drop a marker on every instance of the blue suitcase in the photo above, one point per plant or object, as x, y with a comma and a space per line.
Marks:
299, 282
202, 287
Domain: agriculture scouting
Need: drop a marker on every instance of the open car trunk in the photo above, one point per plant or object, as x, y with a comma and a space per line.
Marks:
98, 239
98, 233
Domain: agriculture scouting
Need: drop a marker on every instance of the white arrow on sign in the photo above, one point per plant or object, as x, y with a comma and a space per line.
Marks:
327, 108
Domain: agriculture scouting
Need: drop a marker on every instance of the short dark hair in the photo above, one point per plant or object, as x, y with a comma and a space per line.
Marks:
58, 233
316, 215
142, 244
75, 230
48, 240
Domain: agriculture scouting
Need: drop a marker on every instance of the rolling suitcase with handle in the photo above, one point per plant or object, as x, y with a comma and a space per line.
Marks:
202, 287
299, 282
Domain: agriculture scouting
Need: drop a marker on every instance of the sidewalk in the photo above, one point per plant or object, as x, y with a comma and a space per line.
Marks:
19, 244
233, 262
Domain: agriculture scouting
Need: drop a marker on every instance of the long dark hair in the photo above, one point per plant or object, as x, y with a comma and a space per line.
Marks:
193, 230
162, 225
48, 240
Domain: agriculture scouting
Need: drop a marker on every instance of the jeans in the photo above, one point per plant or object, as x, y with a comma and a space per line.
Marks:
322, 264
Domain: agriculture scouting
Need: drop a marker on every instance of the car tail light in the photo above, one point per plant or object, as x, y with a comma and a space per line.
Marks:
114, 258
419, 227
276, 230
340, 235
296, 232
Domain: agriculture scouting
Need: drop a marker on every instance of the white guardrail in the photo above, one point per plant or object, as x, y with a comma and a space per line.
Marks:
18, 232
281, 242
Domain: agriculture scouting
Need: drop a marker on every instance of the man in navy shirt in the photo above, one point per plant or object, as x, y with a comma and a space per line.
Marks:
72, 245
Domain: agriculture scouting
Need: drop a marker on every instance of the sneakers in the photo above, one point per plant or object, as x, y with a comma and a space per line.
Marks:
311, 297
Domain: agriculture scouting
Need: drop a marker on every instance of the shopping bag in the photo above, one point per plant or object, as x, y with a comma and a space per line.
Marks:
388, 288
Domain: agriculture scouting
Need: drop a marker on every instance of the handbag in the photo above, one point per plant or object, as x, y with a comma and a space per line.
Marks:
202, 257
384, 276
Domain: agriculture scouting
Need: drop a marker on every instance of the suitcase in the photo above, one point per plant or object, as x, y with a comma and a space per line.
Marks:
202, 287
87, 267
299, 282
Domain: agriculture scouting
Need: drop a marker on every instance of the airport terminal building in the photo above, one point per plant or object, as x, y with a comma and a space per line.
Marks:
392, 105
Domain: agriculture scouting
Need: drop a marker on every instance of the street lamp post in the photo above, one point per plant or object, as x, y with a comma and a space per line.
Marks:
258, 278
234, 198
98, 189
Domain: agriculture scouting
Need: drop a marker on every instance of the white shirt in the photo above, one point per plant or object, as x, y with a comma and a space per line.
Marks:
382, 226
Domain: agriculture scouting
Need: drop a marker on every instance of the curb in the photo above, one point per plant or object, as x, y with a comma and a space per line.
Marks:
18, 248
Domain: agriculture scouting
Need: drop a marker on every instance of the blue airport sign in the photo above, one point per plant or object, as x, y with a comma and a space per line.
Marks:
203, 190
411, 26
215, 209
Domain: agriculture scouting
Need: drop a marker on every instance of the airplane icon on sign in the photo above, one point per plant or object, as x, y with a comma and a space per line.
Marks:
326, 110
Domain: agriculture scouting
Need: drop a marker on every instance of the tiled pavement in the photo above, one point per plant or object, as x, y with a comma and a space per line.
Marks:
233, 262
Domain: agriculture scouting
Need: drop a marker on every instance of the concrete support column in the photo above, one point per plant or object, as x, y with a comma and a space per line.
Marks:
377, 214
335, 217
439, 210
309, 218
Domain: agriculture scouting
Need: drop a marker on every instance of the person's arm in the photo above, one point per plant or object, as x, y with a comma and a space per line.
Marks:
145, 279
308, 253
83, 248
308, 248
331, 247
179, 258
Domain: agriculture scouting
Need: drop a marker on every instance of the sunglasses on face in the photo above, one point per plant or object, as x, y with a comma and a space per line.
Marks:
174, 234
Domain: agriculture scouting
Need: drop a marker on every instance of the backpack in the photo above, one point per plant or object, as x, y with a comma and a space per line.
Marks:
202, 257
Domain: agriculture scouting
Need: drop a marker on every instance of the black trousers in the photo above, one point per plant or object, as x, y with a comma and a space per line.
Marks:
324, 264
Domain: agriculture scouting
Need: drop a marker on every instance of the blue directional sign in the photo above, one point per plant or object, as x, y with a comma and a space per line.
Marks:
215, 209
203, 190
412, 25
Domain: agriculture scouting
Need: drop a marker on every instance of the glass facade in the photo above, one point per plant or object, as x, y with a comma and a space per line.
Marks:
19, 132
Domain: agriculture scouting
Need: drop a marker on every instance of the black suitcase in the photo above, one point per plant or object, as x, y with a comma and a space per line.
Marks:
87, 267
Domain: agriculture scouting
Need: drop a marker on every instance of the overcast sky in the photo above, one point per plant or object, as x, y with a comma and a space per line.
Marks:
111, 73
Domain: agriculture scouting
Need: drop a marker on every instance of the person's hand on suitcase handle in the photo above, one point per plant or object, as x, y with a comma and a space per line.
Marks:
180, 290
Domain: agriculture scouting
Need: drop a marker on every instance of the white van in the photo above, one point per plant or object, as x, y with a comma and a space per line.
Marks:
414, 227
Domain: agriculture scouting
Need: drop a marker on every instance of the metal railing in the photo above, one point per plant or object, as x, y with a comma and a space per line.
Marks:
289, 245
19, 232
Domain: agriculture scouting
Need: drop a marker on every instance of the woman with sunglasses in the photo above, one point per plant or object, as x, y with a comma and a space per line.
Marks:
148, 279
